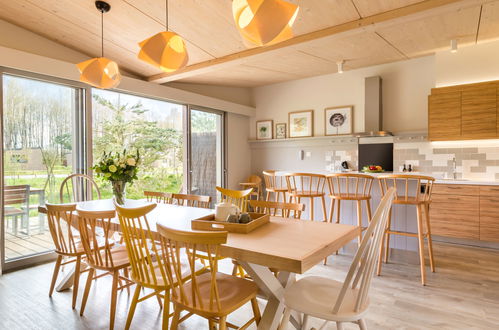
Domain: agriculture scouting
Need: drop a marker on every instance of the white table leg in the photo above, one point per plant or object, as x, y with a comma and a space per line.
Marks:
273, 288
67, 281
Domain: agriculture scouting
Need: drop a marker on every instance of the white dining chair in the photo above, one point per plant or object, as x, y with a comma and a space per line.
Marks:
332, 300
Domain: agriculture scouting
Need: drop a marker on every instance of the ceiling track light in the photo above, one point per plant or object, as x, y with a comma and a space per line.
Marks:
453, 46
340, 66
264, 22
165, 50
100, 72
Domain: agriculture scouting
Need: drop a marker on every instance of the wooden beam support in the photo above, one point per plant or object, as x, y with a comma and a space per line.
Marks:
412, 12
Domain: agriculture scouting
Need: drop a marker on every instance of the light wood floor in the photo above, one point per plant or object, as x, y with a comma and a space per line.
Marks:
463, 294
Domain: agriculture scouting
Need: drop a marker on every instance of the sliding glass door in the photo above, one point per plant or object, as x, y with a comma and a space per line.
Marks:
38, 153
206, 161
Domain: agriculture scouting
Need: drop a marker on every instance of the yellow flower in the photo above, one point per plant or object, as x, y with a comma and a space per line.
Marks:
130, 161
113, 168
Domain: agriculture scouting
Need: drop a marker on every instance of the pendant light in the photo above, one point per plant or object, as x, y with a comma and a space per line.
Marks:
264, 22
165, 50
100, 72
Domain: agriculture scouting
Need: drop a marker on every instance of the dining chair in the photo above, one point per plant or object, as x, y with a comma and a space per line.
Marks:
285, 210
255, 182
159, 197
192, 200
148, 268
78, 188
67, 244
275, 184
412, 190
111, 258
16, 205
212, 295
239, 198
331, 300
307, 185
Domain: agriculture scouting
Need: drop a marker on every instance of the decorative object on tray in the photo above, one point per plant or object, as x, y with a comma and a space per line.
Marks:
338, 120
280, 131
373, 169
209, 223
224, 210
264, 129
301, 123
119, 169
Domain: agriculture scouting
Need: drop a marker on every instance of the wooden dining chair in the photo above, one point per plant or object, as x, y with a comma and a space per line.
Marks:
211, 295
307, 185
192, 200
16, 206
238, 198
67, 244
331, 300
148, 268
78, 188
285, 210
275, 184
412, 190
111, 259
255, 182
159, 197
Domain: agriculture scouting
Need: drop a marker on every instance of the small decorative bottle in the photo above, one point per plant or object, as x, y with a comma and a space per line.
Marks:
404, 169
410, 168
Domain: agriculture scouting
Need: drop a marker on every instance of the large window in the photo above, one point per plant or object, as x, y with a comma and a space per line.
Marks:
123, 121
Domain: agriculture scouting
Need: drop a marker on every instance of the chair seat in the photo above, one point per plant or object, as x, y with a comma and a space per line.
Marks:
316, 296
352, 197
277, 189
234, 292
10, 211
120, 258
307, 193
410, 200
101, 242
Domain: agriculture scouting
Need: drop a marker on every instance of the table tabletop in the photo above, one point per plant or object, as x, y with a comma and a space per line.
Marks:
286, 244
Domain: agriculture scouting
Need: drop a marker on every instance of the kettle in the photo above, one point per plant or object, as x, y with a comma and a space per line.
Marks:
224, 209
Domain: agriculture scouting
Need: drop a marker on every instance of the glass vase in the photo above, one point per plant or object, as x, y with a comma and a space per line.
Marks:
119, 192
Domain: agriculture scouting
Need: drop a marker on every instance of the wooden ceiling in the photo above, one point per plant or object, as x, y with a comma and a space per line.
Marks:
360, 32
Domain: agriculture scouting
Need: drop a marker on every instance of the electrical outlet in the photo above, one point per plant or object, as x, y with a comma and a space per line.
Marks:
308, 154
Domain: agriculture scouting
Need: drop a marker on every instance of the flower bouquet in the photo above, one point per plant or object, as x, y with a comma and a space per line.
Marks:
120, 169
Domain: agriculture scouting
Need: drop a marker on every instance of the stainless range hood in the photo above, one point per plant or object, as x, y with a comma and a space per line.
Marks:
373, 109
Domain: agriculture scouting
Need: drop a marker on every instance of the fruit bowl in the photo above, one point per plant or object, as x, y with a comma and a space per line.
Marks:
372, 169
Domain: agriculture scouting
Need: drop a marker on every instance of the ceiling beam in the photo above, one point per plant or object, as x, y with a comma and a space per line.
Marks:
396, 16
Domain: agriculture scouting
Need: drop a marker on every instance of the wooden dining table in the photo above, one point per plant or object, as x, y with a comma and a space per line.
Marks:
289, 245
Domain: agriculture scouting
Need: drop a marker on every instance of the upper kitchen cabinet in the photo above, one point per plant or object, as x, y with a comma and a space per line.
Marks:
463, 112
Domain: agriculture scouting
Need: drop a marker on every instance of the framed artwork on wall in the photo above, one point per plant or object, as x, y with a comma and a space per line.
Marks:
338, 120
301, 123
280, 131
264, 129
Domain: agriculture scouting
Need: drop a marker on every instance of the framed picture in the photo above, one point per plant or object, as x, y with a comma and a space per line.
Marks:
301, 123
338, 120
264, 129
280, 131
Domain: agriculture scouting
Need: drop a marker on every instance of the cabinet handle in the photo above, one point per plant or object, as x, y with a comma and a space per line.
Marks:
454, 198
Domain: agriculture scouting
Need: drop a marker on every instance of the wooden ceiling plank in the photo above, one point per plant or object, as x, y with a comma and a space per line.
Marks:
372, 7
489, 22
411, 12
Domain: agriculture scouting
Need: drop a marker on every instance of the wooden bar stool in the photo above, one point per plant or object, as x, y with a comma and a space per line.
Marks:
275, 184
255, 182
307, 185
350, 187
421, 198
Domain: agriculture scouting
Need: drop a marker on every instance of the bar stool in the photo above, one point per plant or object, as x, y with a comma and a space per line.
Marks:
421, 198
307, 185
350, 187
275, 184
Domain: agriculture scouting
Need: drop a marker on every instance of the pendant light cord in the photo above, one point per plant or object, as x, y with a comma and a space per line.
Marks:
166, 15
102, 32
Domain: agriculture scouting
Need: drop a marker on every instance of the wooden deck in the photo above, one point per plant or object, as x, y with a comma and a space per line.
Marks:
23, 245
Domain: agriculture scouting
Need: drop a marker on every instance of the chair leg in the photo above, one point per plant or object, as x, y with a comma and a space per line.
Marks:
331, 210
387, 244
127, 275
380, 256
133, 305
285, 319
90, 278
267, 196
55, 274
76, 280
338, 211
339, 325
362, 324
175, 319
160, 303
359, 220
166, 309
311, 209
428, 236
276, 197
114, 294
324, 211
304, 325
421, 244
256, 310
368, 208
223, 323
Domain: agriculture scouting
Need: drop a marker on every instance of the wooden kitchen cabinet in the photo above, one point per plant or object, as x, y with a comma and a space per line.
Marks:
444, 118
489, 213
479, 113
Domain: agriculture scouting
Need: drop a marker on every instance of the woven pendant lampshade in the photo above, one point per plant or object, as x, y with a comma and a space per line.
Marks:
100, 72
165, 50
264, 22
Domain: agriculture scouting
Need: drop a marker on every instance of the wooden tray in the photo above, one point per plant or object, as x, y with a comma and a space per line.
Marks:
208, 223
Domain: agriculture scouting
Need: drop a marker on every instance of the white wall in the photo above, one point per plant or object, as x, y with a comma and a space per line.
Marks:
238, 150
406, 85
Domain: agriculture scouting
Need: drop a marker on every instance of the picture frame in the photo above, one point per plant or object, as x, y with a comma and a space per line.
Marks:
338, 120
301, 124
280, 130
264, 129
